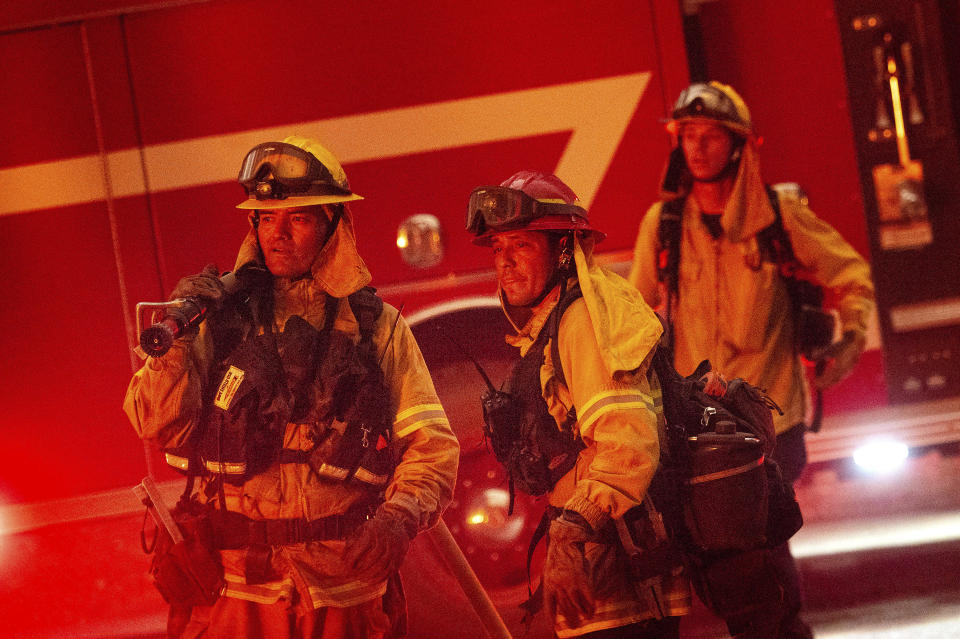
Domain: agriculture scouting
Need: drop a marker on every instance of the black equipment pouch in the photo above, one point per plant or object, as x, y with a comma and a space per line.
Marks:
738, 584
784, 518
814, 324
732, 496
355, 445
250, 405
188, 573
646, 542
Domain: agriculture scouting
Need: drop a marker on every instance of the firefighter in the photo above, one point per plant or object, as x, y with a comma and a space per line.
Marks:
304, 408
728, 303
586, 339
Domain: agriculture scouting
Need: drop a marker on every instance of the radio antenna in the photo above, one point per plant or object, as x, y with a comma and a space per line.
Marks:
480, 370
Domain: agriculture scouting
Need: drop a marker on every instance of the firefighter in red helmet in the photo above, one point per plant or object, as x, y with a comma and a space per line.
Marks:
710, 252
585, 387
305, 414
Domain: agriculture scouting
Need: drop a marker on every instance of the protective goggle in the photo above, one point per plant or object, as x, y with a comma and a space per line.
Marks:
498, 207
276, 170
706, 101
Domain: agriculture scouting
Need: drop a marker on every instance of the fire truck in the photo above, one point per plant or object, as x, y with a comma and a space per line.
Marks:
123, 126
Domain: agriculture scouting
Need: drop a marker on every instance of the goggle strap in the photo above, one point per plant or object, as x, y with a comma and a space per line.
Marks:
518, 207
313, 179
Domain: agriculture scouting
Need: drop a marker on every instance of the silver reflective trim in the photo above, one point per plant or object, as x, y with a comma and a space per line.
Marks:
226, 468
177, 461
366, 476
330, 470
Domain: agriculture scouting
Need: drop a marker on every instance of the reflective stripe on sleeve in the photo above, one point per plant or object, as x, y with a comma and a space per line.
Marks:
611, 400
416, 417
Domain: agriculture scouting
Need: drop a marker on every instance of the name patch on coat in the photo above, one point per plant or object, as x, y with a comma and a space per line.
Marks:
228, 388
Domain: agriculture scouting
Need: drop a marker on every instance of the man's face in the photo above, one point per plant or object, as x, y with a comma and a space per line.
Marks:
291, 239
525, 262
707, 147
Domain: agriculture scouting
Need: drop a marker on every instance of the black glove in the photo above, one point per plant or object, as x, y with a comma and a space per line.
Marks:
377, 547
204, 286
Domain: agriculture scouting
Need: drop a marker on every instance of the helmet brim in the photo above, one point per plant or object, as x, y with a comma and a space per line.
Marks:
296, 202
673, 126
547, 223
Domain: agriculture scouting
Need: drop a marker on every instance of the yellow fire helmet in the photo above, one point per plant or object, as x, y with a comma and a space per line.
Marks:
293, 173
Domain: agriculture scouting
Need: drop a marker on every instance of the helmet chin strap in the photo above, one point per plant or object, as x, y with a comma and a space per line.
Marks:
332, 225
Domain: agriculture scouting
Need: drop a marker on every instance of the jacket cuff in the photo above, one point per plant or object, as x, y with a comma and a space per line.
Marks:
401, 515
173, 359
855, 315
594, 515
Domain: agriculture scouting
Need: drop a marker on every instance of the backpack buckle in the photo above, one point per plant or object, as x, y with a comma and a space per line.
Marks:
707, 416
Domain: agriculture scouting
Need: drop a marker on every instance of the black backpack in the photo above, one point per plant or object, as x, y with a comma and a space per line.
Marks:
717, 486
723, 500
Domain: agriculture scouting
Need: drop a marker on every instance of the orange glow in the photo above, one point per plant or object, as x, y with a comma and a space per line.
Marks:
478, 518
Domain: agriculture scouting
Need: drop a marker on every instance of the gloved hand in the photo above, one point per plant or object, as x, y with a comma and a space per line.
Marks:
377, 547
572, 581
205, 286
839, 359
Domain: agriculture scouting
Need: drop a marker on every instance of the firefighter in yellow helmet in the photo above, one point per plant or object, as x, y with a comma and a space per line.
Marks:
705, 252
305, 413
588, 401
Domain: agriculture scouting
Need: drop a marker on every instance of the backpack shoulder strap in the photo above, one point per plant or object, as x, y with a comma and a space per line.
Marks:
668, 241
552, 328
668, 256
367, 307
775, 241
